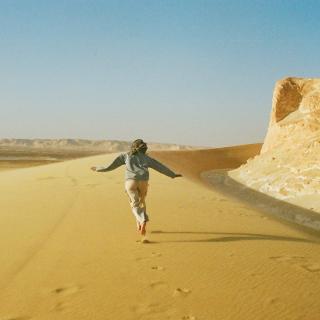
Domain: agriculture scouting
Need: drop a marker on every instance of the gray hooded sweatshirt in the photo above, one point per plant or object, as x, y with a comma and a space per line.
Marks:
137, 166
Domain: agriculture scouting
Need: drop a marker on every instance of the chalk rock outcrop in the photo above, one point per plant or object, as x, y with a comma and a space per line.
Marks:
288, 166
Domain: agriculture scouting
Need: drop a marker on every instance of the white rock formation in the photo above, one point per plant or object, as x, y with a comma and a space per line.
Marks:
288, 167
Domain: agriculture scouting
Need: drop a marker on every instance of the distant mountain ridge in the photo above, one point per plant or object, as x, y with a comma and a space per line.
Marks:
82, 144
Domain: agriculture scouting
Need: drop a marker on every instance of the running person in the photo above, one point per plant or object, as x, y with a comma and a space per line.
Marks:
137, 163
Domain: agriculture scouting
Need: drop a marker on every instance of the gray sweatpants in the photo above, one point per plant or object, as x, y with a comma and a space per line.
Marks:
137, 192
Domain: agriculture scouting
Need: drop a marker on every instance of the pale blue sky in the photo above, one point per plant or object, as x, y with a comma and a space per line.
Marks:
190, 72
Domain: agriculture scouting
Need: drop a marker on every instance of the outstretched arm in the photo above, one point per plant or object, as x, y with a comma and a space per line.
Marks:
117, 162
156, 165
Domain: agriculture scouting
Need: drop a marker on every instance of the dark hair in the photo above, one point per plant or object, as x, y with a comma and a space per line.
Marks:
138, 146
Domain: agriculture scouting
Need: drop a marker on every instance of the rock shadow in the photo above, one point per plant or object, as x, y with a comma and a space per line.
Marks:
297, 217
233, 236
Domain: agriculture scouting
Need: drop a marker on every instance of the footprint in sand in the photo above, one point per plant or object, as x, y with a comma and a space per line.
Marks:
300, 261
157, 268
181, 292
66, 290
156, 254
244, 215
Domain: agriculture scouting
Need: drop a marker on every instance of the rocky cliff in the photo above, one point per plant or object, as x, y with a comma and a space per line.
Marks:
288, 166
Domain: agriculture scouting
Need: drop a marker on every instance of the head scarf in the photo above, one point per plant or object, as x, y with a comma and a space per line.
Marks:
138, 146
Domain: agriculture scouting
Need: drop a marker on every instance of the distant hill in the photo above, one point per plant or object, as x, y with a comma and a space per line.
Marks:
98, 145
70, 148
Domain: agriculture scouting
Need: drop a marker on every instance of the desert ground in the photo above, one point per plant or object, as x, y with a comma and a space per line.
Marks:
70, 252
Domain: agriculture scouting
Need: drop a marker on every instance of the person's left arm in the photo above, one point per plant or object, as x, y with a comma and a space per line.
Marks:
158, 166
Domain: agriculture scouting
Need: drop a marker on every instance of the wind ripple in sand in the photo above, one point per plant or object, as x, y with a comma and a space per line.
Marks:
60, 295
153, 255
181, 292
300, 261
154, 310
47, 178
60, 306
15, 318
158, 284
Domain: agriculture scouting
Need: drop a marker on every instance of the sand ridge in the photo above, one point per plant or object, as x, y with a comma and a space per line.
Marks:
69, 249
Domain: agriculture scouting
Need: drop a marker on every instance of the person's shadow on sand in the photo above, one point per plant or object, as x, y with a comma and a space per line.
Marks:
230, 236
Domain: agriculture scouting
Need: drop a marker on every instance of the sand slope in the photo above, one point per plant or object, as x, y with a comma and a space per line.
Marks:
192, 162
68, 249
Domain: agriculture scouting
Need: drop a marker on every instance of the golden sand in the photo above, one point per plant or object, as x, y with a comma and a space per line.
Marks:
69, 251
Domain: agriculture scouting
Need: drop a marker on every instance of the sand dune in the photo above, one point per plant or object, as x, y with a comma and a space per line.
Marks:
69, 248
192, 162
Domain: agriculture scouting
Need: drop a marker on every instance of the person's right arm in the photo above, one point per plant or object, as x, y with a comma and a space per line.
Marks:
117, 162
